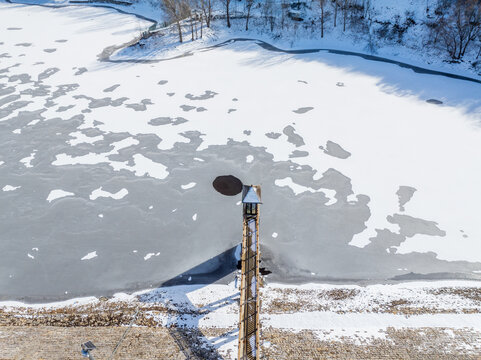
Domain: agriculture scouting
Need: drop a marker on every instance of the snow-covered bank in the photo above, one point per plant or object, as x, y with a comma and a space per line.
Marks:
332, 312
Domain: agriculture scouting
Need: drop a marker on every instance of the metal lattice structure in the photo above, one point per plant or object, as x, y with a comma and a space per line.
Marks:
249, 327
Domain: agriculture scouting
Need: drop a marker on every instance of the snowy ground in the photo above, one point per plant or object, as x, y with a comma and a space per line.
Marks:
353, 315
106, 166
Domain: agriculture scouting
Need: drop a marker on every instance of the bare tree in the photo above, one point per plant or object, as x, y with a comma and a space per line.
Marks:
345, 8
206, 6
227, 10
249, 4
335, 5
460, 27
267, 13
322, 3
176, 11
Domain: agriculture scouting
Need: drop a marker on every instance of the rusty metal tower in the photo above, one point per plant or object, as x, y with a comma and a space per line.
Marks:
249, 326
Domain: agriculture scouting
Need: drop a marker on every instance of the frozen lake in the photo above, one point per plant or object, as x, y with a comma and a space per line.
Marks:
107, 167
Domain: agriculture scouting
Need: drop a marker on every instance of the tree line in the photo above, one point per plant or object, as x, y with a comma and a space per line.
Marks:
453, 24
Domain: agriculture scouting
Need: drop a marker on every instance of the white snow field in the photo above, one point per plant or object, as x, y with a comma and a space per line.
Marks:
362, 178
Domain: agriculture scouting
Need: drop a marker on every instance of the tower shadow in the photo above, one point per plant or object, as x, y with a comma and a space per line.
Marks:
184, 317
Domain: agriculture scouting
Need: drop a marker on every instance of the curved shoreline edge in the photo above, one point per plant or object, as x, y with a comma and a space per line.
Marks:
105, 55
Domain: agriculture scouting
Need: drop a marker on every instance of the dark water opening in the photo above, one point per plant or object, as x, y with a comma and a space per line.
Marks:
227, 185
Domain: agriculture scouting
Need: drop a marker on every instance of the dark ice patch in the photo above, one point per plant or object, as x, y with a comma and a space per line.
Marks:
142, 106
160, 121
171, 94
206, 95
187, 107
247, 132
167, 120
273, 135
80, 71
405, 193
49, 50
64, 108
9, 99
5, 55
292, 137
298, 154
12, 107
14, 28
201, 109
7, 90
302, 81
24, 44
37, 90
111, 88
410, 226
335, 150
96, 103
231, 110
235, 99
23, 78
61, 41
47, 73
63, 90
303, 110
162, 82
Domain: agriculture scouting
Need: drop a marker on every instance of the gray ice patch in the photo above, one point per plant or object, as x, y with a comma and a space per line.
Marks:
298, 154
64, 108
201, 109
292, 137
112, 88
167, 120
162, 82
335, 150
179, 120
49, 50
23, 78
47, 73
80, 71
273, 135
96, 103
247, 132
7, 90
303, 110
8, 99
61, 41
404, 193
434, 101
231, 110
12, 107
235, 99
410, 226
160, 121
302, 81
206, 95
24, 44
171, 94
140, 107
38, 90
187, 107
5, 55
14, 28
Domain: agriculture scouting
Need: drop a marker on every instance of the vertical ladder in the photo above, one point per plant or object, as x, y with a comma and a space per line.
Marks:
249, 326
